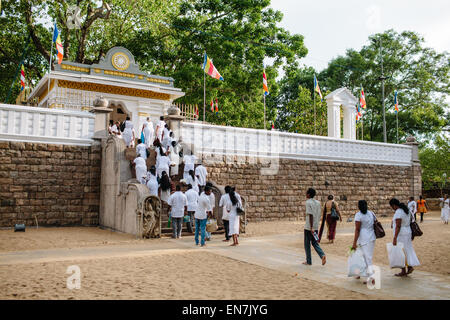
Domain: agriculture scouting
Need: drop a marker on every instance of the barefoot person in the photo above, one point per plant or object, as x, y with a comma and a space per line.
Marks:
234, 218
201, 215
402, 233
331, 222
422, 207
364, 233
225, 214
311, 227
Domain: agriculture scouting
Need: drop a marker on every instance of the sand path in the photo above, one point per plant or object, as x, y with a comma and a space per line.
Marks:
276, 252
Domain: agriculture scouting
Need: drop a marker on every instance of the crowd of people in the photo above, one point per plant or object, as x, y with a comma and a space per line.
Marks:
193, 207
364, 235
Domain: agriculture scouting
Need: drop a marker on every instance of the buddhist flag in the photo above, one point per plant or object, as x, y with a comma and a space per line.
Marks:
196, 110
273, 125
265, 87
317, 88
396, 101
22, 78
212, 105
217, 106
57, 41
209, 68
358, 112
362, 99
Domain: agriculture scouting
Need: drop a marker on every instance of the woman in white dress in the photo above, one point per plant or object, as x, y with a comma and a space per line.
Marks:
445, 210
128, 132
234, 218
148, 134
402, 233
364, 234
152, 182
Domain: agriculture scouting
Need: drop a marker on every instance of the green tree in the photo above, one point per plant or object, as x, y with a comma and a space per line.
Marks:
103, 25
237, 35
419, 74
435, 162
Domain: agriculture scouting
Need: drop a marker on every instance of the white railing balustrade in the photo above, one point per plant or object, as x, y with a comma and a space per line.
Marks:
44, 125
232, 141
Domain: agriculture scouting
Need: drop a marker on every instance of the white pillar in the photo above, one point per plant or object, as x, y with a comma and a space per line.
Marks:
349, 122
334, 121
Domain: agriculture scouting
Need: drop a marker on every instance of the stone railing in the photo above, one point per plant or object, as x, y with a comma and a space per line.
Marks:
43, 125
232, 141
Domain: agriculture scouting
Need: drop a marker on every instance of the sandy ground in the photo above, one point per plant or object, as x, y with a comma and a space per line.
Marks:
432, 248
186, 274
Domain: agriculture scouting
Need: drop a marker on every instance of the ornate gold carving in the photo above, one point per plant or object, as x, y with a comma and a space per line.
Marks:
74, 68
143, 114
97, 70
113, 90
119, 74
156, 80
120, 61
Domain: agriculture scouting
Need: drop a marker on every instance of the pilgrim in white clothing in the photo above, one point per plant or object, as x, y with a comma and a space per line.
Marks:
177, 201
152, 184
234, 218
193, 182
445, 210
141, 149
128, 133
189, 163
148, 134
159, 129
201, 174
366, 239
141, 169
163, 165
404, 236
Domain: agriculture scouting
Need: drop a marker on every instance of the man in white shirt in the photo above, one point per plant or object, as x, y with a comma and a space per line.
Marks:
412, 206
212, 201
192, 197
163, 165
225, 214
178, 207
141, 149
312, 218
159, 128
201, 174
201, 214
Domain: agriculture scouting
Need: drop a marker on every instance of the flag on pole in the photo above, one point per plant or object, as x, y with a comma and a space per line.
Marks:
273, 126
317, 88
22, 78
196, 110
57, 41
210, 69
396, 101
217, 106
212, 105
362, 99
358, 112
265, 87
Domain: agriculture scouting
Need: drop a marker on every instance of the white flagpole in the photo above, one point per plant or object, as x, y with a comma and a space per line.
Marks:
264, 95
204, 95
50, 66
314, 94
362, 125
396, 115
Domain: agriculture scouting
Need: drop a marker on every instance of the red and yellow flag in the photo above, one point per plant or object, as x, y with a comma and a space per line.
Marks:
22, 78
210, 69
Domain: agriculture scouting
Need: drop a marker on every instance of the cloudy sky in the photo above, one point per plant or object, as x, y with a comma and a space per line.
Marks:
330, 26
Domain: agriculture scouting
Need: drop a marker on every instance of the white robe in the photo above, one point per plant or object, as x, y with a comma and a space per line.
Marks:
141, 149
148, 134
404, 237
234, 218
141, 169
128, 133
445, 210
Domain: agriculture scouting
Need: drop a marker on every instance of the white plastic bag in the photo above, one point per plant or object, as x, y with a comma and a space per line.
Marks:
357, 266
396, 255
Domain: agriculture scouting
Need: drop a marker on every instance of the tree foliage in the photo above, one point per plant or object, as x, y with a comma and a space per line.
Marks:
419, 74
237, 35
435, 162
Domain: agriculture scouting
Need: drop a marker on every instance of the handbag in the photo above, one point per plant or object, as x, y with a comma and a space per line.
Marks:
334, 214
239, 210
415, 230
378, 228
211, 225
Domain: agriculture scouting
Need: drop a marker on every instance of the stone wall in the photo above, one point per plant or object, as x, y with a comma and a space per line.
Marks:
282, 196
57, 184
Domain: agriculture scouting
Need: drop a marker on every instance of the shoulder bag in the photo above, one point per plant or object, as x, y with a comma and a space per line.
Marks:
415, 230
334, 214
239, 210
378, 228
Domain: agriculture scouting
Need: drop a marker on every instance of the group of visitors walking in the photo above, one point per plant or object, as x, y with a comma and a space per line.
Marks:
364, 235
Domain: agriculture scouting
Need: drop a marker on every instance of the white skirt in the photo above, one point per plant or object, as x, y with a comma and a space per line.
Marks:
127, 136
367, 250
165, 195
444, 214
411, 257
234, 224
